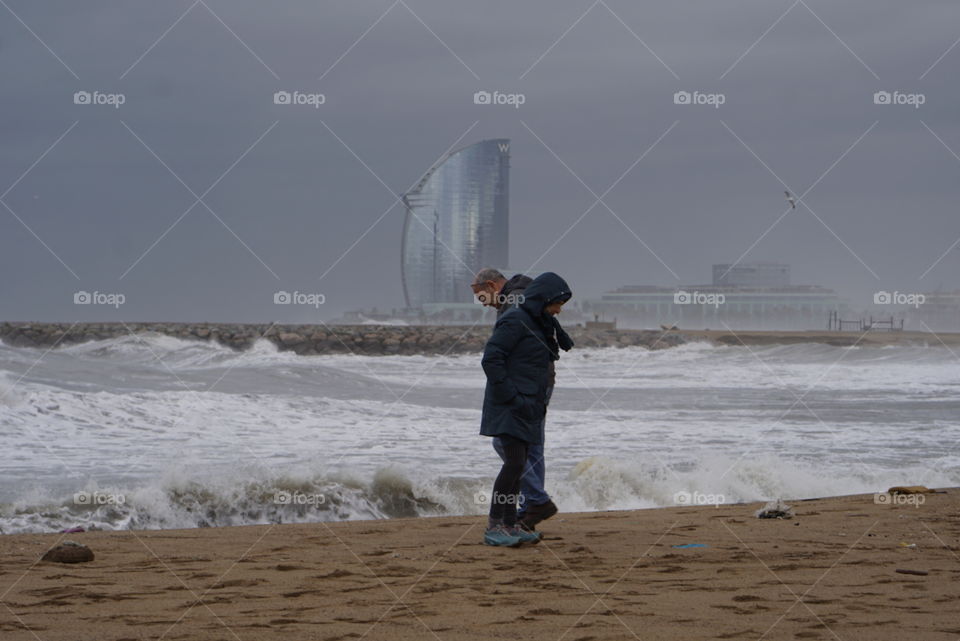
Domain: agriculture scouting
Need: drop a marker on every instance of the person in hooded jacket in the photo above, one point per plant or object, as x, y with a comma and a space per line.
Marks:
517, 362
493, 289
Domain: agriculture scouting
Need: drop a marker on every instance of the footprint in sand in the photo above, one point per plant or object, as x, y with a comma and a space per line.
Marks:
335, 574
542, 611
671, 569
233, 583
293, 595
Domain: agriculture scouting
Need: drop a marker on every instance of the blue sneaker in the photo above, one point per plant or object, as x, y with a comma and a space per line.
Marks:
501, 536
525, 535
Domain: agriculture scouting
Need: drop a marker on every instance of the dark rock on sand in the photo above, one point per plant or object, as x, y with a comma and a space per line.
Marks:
68, 552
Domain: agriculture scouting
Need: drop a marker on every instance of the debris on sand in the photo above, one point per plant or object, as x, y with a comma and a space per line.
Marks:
912, 489
775, 510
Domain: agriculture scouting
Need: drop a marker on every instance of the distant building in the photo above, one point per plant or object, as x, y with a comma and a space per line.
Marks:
745, 296
457, 220
751, 275
940, 312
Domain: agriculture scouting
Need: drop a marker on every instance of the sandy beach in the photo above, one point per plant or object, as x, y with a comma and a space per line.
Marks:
828, 573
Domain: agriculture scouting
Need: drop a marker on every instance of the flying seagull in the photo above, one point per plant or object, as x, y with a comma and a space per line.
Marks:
791, 200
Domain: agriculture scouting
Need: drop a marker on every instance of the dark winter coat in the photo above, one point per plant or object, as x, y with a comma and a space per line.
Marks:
511, 293
517, 362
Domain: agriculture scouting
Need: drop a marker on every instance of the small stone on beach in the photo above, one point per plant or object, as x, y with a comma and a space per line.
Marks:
69, 552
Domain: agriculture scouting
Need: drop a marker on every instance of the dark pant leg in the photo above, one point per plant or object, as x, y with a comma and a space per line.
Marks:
532, 491
532, 484
506, 489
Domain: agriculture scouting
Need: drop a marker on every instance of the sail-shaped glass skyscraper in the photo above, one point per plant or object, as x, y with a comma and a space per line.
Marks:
456, 223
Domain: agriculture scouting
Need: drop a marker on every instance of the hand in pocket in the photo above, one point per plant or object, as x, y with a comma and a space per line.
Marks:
526, 407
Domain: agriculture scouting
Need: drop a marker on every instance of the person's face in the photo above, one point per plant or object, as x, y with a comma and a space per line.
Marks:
486, 292
554, 308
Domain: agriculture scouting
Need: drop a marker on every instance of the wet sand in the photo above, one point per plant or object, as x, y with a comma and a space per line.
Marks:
828, 573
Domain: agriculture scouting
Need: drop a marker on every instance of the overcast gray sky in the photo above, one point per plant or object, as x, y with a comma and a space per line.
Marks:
302, 198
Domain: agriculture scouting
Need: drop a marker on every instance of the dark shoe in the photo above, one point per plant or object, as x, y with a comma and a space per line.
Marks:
522, 533
537, 513
527, 528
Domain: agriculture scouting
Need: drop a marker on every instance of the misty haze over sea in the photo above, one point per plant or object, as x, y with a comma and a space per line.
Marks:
197, 158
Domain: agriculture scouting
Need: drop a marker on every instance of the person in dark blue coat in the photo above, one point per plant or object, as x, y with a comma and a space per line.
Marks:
493, 289
518, 362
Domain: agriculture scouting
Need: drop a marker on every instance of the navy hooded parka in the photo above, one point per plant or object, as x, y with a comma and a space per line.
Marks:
517, 362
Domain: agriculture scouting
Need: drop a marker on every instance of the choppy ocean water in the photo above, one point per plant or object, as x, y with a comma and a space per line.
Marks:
156, 432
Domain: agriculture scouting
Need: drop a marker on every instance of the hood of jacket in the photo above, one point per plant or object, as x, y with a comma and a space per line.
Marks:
513, 286
544, 289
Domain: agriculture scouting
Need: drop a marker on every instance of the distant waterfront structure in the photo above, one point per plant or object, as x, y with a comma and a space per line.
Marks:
742, 296
751, 275
939, 312
457, 220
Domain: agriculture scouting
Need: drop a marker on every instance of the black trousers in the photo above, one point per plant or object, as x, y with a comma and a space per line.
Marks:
506, 489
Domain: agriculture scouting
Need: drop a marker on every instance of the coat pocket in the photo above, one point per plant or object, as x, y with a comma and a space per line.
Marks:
526, 410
